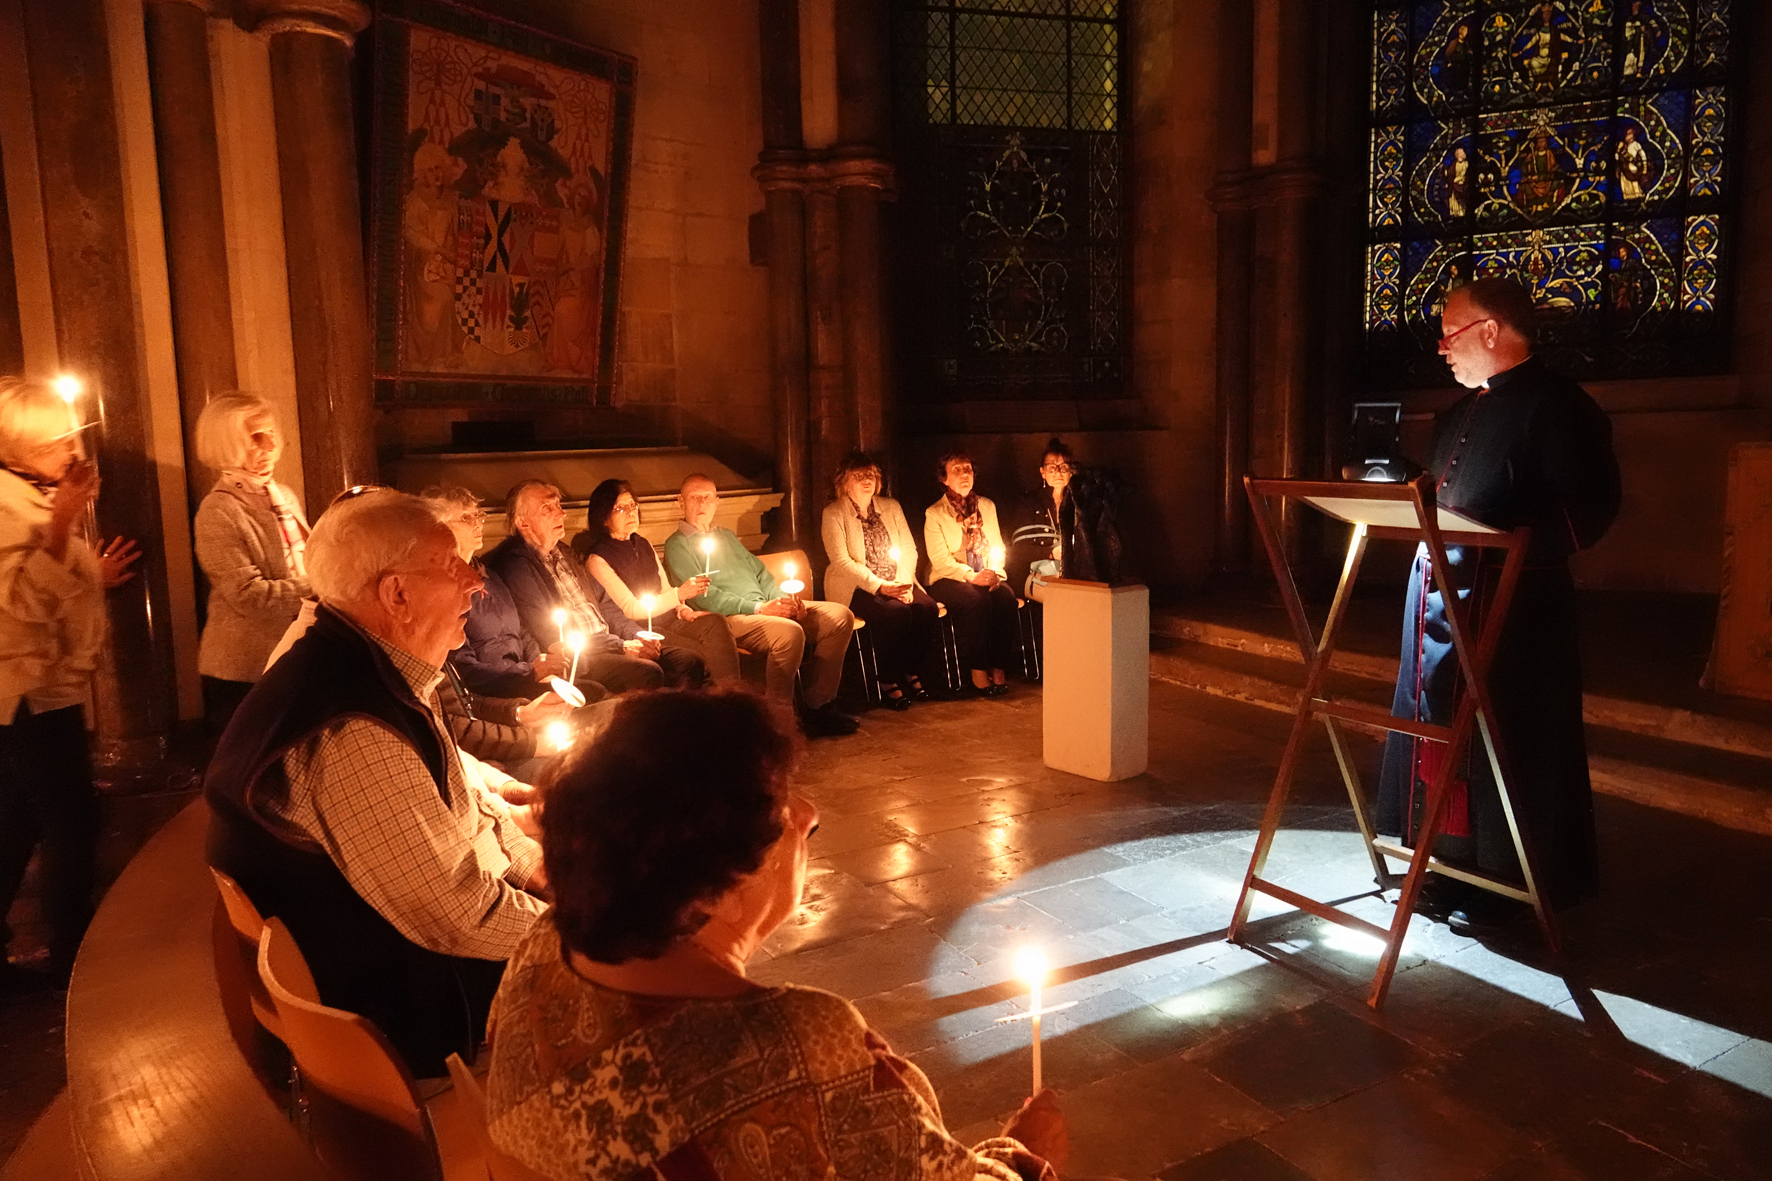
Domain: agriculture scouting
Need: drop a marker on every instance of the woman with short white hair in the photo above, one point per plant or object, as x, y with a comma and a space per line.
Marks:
251, 541
52, 624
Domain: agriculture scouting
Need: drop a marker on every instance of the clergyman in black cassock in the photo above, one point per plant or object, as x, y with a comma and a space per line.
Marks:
1529, 447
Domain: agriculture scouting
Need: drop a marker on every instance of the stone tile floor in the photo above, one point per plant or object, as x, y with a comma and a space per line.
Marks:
946, 846
1645, 1051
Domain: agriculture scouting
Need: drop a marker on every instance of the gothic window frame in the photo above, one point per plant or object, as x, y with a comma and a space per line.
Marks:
1012, 232
1599, 169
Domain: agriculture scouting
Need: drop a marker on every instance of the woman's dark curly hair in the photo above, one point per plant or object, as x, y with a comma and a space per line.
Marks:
679, 797
601, 507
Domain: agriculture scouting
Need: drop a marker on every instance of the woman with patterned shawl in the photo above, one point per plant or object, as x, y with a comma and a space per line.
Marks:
628, 1043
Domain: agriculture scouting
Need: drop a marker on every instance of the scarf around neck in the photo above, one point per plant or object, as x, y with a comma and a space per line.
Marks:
965, 510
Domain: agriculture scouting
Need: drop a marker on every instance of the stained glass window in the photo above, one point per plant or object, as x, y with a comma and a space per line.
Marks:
1011, 242
1580, 146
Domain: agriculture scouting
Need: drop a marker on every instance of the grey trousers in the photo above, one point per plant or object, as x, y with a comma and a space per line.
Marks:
819, 640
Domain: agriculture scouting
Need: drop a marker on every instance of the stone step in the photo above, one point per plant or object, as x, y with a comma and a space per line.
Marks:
1739, 735
1717, 784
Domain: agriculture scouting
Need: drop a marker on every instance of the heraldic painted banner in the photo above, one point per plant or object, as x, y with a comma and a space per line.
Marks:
500, 188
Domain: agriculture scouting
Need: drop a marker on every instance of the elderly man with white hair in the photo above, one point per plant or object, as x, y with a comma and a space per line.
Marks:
340, 802
52, 625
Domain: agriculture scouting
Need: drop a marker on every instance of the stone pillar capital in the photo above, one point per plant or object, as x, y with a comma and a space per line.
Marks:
779, 169
340, 19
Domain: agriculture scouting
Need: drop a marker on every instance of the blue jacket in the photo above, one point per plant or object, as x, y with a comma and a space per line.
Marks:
498, 657
531, 588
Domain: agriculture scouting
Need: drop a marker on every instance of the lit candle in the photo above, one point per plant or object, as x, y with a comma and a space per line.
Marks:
647, 603
793, 585
707, 555
560, 734
577, 644
560, 622
893, 554
996, 556
1030, 965
68, 387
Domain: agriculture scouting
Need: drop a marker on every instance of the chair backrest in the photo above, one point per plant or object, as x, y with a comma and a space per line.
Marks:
248, 925
341, 1054
776, 564
473, 1103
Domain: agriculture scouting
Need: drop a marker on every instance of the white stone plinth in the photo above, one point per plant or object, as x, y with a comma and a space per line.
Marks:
1097, 674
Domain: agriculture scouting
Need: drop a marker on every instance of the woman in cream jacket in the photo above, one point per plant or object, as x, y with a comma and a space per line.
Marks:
52, 626
873, 572
966, 574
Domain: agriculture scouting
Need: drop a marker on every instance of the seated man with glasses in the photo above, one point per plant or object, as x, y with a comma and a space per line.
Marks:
340, 804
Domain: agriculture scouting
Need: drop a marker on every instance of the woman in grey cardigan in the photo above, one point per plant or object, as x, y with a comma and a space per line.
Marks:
250, 537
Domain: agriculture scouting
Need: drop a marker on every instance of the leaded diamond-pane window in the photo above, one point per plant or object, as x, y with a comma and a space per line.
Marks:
1011, 246
1580, 146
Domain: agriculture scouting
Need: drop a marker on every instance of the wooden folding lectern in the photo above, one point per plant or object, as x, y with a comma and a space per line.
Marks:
1400, 512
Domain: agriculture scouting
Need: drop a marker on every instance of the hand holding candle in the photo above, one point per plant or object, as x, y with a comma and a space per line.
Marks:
577, 644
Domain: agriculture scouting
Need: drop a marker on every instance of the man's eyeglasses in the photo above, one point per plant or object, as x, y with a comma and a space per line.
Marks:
473, 516
1452, 336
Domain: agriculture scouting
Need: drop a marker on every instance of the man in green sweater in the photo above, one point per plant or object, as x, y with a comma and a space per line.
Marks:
785, 628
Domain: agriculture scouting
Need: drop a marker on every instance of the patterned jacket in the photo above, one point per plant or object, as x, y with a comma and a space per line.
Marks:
590, 1084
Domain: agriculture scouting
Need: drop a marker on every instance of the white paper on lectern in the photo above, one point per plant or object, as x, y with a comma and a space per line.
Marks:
1393, 514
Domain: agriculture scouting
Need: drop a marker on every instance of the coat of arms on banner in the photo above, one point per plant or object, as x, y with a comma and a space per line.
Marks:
502, 174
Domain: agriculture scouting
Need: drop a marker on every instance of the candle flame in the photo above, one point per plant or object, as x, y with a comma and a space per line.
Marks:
996, 555
1030, 965
577, 641
560, 734
893, 553
790, 569
707, 545
647, 602
67, 387
559, 615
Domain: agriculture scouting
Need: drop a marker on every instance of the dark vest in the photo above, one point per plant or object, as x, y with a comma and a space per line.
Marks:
428, 1004
633, 560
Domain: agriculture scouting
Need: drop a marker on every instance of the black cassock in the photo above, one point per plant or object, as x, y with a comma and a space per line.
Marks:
1532, 449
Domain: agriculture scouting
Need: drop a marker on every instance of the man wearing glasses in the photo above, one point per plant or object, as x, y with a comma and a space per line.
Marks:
1526, 447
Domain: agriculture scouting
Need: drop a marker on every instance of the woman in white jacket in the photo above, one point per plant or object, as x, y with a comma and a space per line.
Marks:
966, 574
251, 538
873, 572
52, 625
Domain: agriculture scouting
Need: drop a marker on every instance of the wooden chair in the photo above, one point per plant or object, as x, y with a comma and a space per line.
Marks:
368, 1118
473, 1105
248, 926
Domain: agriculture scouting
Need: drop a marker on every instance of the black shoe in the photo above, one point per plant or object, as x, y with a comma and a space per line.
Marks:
1484, 913
913, 690
899, 701
994, 690
826, 722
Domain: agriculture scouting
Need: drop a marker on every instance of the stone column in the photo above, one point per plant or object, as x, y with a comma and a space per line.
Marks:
99, 339
781, 172
329, 315
191, 206
833, 430
861, 183
1236, 238
863, 178
1294, 185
